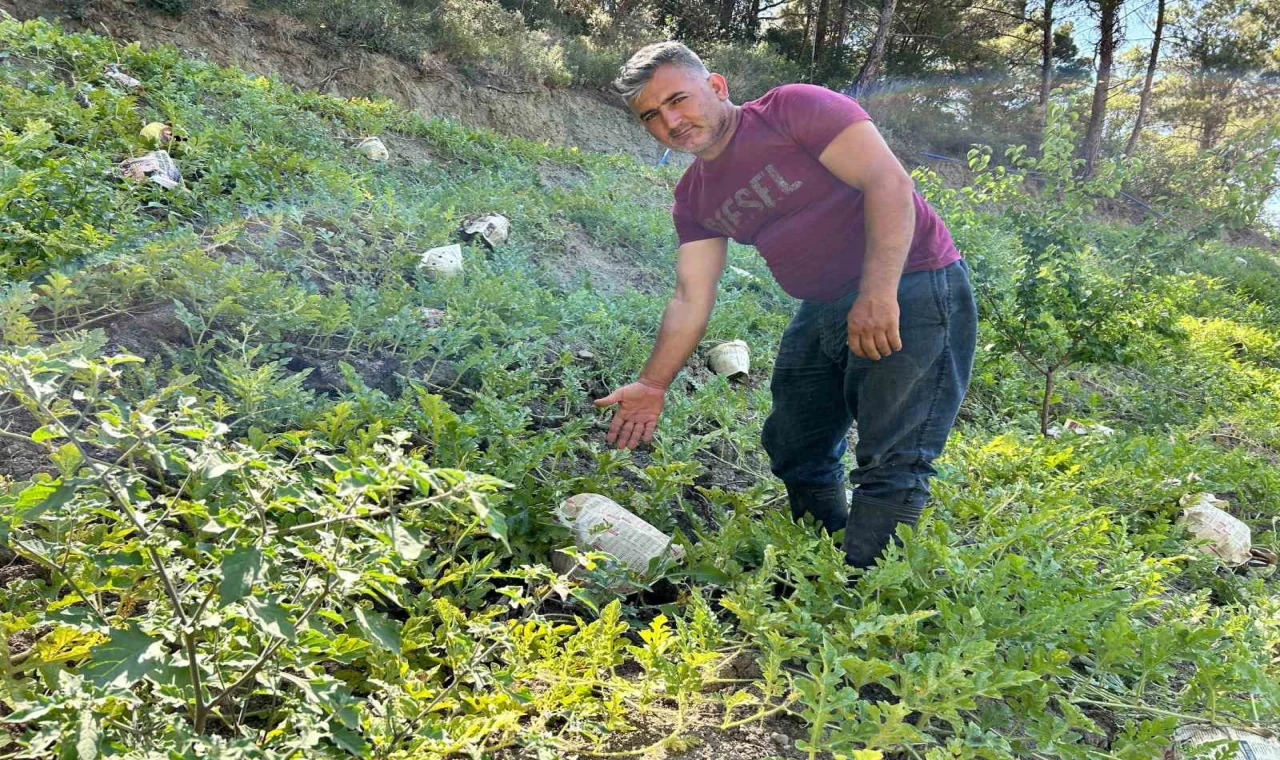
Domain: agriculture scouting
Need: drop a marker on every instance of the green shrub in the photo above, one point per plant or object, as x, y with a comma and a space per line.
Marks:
751, 71
592, 64
476, 33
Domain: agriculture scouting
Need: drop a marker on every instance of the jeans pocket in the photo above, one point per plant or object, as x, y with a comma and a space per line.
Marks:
942, 292
801, 344
923, 298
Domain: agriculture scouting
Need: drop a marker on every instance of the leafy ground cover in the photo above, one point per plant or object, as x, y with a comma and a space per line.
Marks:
256, 502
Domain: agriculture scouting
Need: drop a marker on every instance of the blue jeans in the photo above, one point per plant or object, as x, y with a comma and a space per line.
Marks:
904, 404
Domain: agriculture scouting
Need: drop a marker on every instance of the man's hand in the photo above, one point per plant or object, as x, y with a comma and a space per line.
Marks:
640, 404
873, 326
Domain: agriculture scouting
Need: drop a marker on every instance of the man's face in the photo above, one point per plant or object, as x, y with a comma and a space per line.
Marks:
684, 110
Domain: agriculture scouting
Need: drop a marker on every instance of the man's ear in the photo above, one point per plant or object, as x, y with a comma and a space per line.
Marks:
719, 85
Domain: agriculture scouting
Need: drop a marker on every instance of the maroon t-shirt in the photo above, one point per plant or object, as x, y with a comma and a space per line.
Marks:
768, 189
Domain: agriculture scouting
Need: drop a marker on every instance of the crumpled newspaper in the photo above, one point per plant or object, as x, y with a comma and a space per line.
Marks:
493, 229
113, 72
1079, 428
1206, 519
373, 149
1252, 745
598, 523
156, 166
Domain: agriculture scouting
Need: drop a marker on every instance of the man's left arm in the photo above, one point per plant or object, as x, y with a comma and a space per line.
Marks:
860, 158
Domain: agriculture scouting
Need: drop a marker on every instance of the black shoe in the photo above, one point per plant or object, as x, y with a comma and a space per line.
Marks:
873, 523
827, 502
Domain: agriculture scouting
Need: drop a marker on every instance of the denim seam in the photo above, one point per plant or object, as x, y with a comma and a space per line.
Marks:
824, 336
944, 360
939, 283
822, 333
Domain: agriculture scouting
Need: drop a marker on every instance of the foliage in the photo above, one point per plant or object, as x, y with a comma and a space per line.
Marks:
1225, 186
751, 71
272, 510
1225, 60
472, 33
1053, 297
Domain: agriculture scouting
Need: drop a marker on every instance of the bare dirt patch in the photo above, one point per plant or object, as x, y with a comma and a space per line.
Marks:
20, 461
19, 569
408, 150
609, 269
150, 334
561, 176
703, 739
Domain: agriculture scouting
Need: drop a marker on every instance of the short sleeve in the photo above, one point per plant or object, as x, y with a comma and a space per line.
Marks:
812, 116
688, 228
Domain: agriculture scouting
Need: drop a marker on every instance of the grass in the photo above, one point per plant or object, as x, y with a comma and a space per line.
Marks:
307, 523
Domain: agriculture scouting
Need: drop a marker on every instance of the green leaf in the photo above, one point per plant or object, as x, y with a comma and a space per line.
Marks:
239, 570
44, 433
347, 739
408, 541
28, 714
704, 572
271, 618
67, 458
379, 628
496, 523
329, 693
39, 498
88, 737
213, 472
125, 659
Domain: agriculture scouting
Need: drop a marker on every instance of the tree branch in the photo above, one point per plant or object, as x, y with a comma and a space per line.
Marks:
269, 651
104, 472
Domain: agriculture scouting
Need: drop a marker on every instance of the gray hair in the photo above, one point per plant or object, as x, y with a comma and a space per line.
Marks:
636, 73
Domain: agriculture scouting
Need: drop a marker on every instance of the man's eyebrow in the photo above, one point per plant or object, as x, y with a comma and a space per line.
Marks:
670, 98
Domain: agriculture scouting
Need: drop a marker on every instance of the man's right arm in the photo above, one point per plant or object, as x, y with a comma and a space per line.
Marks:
699, 265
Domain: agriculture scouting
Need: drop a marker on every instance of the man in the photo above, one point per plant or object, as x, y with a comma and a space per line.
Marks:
885, 332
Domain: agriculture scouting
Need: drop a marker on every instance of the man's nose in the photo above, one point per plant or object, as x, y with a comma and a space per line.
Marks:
671, 118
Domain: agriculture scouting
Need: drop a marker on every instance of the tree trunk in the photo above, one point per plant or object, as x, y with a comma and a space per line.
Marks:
1046, 59
751, 28
875, 57
1211, 129
820, 32
1048, 397
1106, 52
838, 30
1146, 86
726, 19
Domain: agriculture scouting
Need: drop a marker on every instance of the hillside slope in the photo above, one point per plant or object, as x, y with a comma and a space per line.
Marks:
273, 44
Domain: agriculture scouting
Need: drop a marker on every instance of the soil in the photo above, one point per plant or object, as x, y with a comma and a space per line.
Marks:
561, 176
20, 461
20, 569
381, 371
27, 637
151, 333
702, 738
774, 737
608, 269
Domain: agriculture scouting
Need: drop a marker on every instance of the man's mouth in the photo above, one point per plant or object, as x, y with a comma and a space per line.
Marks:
682, 133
